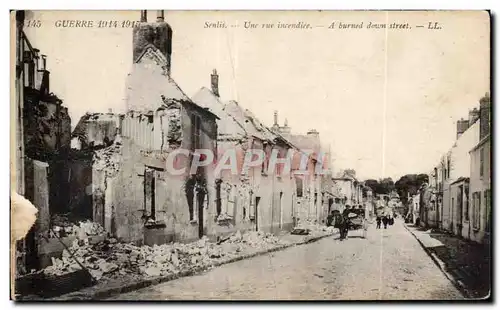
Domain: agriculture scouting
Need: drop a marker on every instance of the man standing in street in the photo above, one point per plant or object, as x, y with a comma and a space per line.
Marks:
344, 225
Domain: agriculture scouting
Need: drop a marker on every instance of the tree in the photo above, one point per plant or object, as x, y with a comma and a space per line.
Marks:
410, 184
373, 184
387, 185
383, 186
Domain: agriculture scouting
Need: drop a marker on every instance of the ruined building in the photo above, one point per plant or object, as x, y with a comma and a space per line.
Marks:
250, 199
134, 196
42, 142
316, 195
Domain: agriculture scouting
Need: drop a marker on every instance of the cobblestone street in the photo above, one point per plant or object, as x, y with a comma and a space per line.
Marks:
389, 264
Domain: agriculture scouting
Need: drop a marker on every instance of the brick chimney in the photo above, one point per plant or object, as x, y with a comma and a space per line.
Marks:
157, 33
473, 116
313, 133
215, 82
285, 129
462, 126
276, 126
43, 65
484, 116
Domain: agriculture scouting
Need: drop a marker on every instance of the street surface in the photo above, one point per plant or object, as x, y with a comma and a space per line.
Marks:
388, 265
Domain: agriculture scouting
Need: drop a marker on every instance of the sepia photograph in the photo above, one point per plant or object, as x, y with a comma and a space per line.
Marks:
163, 155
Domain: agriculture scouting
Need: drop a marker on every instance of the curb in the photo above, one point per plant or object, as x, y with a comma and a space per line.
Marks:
129, 287
442, 266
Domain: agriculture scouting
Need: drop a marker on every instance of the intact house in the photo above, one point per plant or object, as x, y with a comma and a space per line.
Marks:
455, 210
480, 179
138, 195
350, 189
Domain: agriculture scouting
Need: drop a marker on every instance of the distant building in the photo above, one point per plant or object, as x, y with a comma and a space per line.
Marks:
455, 168
315, 193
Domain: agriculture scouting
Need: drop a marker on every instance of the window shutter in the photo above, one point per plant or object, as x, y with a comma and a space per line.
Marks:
231, 202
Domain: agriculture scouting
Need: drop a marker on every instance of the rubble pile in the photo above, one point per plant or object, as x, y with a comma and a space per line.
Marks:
62, 227
113, 259
109, 158
314, 228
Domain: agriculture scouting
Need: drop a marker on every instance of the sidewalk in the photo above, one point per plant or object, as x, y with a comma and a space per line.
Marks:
465, 263
107, 287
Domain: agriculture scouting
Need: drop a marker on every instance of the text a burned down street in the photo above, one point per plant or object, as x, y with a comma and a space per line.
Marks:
199, 165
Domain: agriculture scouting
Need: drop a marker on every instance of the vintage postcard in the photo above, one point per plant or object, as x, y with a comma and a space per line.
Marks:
251, 155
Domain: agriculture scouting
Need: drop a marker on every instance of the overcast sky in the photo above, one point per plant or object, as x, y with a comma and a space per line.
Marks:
344, 83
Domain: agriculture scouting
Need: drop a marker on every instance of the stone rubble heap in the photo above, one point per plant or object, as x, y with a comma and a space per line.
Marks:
64, 228
113, 259
314, 228
109, 158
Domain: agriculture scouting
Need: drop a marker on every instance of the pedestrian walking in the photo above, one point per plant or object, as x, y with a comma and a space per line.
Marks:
379, 221
385, 220
344, 223
365, 227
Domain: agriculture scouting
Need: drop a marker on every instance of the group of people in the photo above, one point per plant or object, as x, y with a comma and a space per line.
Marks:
342, 221
386, 219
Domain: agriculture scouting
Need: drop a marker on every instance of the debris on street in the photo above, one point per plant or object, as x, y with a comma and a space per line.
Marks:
312, 228
63, 227
113, 259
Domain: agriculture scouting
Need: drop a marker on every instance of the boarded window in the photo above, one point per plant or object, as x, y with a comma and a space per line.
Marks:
487, 210
231, 202
149, 193
476, 209
481, 162
196, 131
218, 198
466, 202
265, 162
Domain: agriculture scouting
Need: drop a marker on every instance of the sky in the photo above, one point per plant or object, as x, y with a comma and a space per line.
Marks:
385, 101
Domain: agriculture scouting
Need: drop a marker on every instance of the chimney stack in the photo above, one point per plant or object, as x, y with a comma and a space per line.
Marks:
473, 116
158, 33
313, 133
160, 16
43, 67
462, 126
484, 116
285, 129
215, 83
275, 118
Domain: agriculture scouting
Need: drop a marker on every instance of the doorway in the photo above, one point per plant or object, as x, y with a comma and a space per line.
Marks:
459, 209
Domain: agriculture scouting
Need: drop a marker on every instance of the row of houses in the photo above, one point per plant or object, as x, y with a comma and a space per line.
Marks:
112, 168
458, 196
